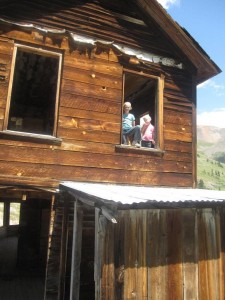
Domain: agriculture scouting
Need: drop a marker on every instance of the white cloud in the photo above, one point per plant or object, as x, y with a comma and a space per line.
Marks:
214, 118
218, 88
167, 3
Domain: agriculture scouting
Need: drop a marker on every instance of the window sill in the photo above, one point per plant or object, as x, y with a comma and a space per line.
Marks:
32, 137
142, 150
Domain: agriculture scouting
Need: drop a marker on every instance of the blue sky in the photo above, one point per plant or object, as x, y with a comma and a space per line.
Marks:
205, 21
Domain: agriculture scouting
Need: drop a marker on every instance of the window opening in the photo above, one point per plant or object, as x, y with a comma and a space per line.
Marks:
143, 93
14, 214
34, 93
1, 214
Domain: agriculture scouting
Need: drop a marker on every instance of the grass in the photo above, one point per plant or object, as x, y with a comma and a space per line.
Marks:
210, 173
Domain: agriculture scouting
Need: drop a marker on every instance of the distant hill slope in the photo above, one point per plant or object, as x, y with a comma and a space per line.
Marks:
210, 172
211, 139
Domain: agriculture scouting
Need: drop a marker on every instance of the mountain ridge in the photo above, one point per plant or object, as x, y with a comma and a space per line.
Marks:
210, 171
210, 139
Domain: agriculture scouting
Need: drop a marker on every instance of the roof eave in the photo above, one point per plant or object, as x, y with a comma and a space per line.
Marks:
206, 68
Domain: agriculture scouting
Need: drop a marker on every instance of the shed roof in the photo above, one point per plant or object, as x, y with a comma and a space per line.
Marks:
129, 194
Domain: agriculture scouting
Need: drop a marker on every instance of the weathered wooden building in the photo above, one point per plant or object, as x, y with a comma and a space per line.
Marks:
99, 219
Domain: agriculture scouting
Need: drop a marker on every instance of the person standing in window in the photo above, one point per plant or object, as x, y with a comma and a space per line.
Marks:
147, 132
129, 128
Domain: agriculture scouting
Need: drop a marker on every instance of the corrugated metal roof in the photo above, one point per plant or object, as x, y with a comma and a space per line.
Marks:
128, 194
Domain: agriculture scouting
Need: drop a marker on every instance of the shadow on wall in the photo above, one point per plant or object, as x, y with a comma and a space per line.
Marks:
167, 236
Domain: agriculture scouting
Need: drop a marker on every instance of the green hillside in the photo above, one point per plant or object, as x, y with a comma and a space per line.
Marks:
210, 173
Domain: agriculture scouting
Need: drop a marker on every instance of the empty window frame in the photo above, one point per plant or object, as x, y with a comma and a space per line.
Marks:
32, 105
1, 214
145, 93
14, 213
9, 213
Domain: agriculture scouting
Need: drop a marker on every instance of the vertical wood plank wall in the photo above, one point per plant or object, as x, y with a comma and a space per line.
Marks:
166, 254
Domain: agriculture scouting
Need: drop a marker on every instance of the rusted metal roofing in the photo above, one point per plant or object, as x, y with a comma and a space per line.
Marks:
129, 194
80, 39
106, 19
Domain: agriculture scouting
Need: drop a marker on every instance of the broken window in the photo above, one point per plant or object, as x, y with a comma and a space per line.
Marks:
144, 92
33, 99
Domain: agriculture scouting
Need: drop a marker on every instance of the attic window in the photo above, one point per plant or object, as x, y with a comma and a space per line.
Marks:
33, 98
145, 93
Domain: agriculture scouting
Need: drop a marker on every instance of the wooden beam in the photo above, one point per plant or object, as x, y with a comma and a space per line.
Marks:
76, 251
64, 242
206, 67
100, 230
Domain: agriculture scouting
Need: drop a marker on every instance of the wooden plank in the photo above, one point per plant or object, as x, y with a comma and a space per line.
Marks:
93, 78
178, 107
102, 264
142, 282
47, 172
222, 252
38, 183
131, 263
157, 254
178, 146
76, 252
108, 277
189, 256
57, 158
212, 254
176, 156
85, 89
90, 104
202, 253
89, 135
119, 258
180, 129
98, 258
176, 151
3, 90
94, 65
88, 115
88, 124
2, 113
208, 256
64, 244
177, 136
2, 103
174, 255
219, 253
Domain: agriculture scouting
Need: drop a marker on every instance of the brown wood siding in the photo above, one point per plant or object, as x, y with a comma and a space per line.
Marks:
89, 124
99, 19
6, 49
165, 254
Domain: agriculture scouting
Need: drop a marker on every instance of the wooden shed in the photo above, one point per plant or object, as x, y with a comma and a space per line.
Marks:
66, 69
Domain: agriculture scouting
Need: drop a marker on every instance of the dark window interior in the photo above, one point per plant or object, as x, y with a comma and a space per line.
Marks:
32, 106
140, 91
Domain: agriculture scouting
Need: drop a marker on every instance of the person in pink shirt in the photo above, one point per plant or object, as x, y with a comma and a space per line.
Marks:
147, 133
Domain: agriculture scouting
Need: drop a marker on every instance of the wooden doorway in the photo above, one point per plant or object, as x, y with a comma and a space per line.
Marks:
23, 248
